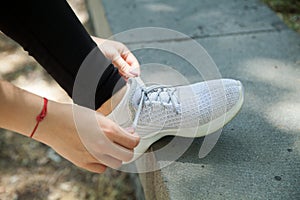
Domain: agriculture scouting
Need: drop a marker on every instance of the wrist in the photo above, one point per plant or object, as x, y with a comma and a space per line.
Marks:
59, 121
40, 117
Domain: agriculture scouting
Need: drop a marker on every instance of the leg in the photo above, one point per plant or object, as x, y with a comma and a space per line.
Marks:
108, 106
53, 35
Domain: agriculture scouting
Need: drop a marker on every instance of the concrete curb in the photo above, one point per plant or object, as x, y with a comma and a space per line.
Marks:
98, 18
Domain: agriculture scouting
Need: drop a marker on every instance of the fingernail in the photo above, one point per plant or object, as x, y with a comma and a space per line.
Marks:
130, 129
133, 73
135, 70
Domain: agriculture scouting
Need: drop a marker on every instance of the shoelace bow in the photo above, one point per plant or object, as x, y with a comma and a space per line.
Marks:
157, 91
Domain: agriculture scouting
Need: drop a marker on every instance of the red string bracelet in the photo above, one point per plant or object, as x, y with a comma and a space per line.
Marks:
40, 117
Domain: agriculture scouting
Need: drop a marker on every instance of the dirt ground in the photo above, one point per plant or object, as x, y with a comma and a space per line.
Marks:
31, 170
288, 11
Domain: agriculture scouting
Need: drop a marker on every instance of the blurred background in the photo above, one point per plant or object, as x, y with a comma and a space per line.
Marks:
288, 11
31, 170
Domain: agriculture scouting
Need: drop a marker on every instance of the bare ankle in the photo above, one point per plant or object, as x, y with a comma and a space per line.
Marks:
111, 103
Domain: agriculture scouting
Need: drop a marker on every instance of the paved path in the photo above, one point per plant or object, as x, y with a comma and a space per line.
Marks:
258, 153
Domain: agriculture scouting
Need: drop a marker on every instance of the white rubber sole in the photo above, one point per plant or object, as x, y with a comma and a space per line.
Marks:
192, 132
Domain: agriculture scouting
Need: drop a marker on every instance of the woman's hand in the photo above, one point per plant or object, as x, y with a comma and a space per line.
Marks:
87, 145
92, 141
121, 57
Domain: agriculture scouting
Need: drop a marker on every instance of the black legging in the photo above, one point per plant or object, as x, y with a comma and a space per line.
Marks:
53, 35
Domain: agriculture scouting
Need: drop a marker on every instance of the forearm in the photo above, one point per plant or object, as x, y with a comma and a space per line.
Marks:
19, 109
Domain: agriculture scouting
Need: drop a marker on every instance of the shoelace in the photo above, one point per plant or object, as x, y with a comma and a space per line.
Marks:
157, 91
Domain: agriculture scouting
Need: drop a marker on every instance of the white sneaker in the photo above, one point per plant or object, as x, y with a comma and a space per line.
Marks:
193, 110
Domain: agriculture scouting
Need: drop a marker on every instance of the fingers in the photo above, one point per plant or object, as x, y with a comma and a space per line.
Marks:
115, 141
112, 155
110, 161
99, 161
123, 143
127, 64
90, 163
121, 57
123, 67
120, 136
120, 153
119, 143
133, 62
95, 167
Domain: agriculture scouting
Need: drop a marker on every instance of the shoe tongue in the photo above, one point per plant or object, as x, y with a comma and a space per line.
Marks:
135, 93
123, 112
136, 98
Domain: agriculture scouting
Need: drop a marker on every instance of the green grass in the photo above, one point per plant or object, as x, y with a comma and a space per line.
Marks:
288, 11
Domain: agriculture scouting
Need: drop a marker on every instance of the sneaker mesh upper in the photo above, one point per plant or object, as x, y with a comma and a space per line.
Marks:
195, 104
